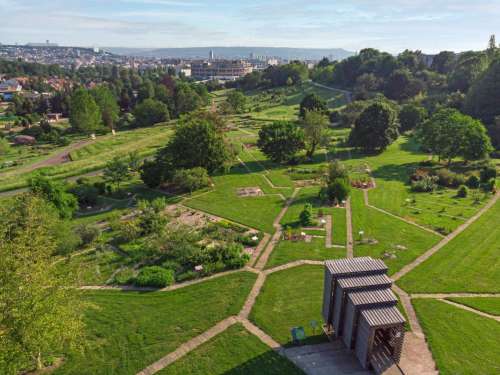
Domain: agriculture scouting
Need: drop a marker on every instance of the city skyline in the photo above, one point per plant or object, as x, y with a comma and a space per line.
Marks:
430, 26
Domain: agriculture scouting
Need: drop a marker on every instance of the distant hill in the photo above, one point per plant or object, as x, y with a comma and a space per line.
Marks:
235, 52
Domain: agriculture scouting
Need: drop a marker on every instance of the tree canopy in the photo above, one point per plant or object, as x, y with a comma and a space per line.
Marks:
281, 141
85, 115
150, 112
312, 102
375, 129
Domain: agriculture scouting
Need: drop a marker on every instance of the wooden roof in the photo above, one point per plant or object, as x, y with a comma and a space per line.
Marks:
352, 266
353, 282
382, 316
373, 297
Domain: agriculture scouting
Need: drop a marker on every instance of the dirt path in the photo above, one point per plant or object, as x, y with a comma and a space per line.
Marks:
258, 250
348, 218
192, 344
470, 309
328, 230
261, 263
367, 204
422, 258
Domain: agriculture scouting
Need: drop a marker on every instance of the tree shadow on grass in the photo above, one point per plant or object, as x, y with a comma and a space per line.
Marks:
269, 362
395, 172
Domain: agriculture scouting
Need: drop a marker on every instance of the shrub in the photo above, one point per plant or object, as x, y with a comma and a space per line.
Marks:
487, 173
448, 178
472, 182
88, 233
101, 187
191, 179
336, 190
426, 184
489, 186
154, 276
87, 195
462, 191
306, 216
188, 275
124, 276
129, 230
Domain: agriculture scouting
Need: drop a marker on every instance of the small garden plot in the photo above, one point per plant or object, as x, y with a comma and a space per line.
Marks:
287, 251
92, 267
468, 263
235, 351
289, 299
255, 212
489, 305
127, 331
382, 236
250, 192
461, 342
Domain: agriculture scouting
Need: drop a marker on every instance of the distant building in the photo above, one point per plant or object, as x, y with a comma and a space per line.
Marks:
183, 69
46, 44
224, 70
9, 88
211, 55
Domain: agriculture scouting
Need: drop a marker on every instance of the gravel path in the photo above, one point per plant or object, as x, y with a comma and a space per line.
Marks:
348, 218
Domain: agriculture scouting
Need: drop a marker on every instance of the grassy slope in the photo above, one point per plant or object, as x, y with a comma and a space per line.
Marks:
95, 155
290, 298
469, 263
235, 351
461, 342
484, 304
128, 331
389, 232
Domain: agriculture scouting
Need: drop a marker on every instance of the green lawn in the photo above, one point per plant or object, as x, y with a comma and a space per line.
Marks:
256, 212
127, 331
288, 299
235, 352
489, 305
391, 235
469, 263
289, 251
461, 342
339, 230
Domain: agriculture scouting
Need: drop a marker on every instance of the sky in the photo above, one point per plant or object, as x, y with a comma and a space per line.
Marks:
389, 25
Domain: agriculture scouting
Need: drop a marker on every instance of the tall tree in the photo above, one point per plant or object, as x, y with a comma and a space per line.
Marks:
85, 115
55, 193
312, 102
315, 124
281, 141
116, 171
107, 104
375, 128
150, 112
40, 315
411, 116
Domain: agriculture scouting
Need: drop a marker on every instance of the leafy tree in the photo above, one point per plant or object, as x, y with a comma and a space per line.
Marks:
150, 112
483, 99
281, 141
146, 91
315, 124
85, 115
469, 67
350, 113
134, 161
151, 220
154, 172
401, 85
444, 62
375, 128
55, 193
196, 143
306, 216
236, 101
116, 171
337, 170
186, 99
449, 134
40, 316
191, 179
312, 102
107, 104
411, 116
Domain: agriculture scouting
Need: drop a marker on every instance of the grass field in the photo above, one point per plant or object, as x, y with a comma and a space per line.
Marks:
256, 212
484, 304
390, 236
235, 352
289, 251
127, 331
469, 263
461, 342
288, 299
